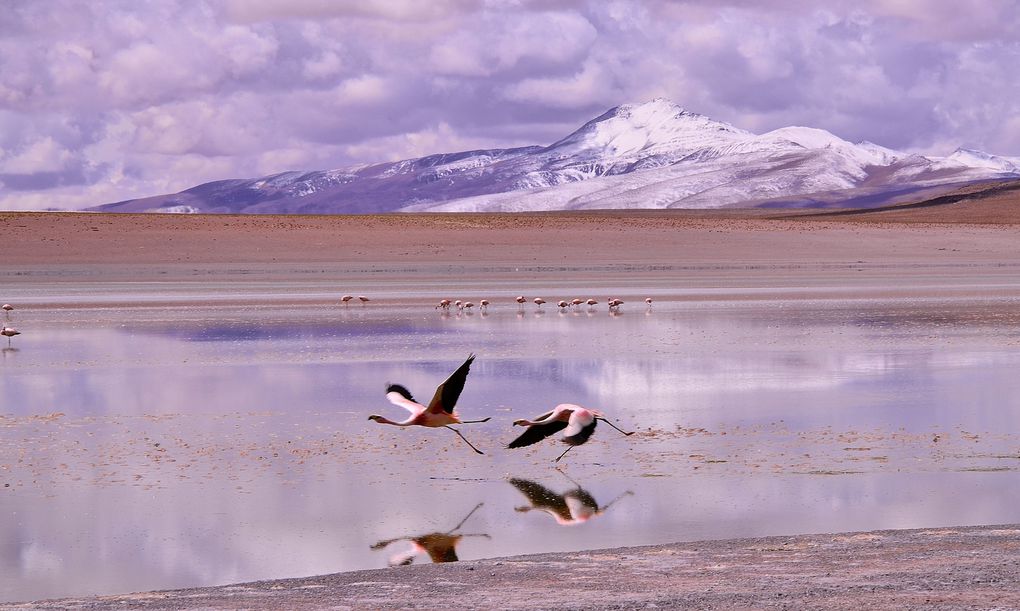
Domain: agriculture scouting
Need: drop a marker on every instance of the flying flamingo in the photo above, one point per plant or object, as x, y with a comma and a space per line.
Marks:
573, 507
346, 298
440, 546
539, 301
9, 332
576, 422
439, 412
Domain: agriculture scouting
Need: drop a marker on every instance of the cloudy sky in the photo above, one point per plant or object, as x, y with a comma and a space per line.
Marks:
108, 100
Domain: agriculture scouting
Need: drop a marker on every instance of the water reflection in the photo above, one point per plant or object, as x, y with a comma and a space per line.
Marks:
262, 415
438, 546
575, 506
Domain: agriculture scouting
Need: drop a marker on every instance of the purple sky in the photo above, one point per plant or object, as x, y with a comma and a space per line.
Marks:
108, 100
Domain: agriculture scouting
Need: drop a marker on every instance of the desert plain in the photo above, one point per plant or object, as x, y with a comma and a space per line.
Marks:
186, 407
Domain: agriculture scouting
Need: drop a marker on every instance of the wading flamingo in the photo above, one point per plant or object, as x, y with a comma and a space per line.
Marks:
363, 299
648, 300
562, 304
573, 507
539, 301
576, 422
592, 303
9, 332
520, 299
483, 304
444, 304
7, 310
346, 299
440, 546
576, 302
439, 412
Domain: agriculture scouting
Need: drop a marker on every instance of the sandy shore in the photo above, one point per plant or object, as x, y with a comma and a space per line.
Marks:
948, 568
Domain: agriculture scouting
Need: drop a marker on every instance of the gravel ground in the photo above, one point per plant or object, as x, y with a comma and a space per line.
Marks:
947, 568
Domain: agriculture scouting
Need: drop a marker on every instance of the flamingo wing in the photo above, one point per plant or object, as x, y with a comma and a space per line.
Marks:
580, 428
449, 391
400, 396
441, 547
537, 432
541, 497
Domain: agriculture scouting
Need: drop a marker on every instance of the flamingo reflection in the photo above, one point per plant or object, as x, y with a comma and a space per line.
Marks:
575, 506
440, 546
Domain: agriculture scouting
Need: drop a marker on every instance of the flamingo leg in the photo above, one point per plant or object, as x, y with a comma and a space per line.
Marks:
610, 503
564, 454
461, 523
464, 438
475, 421
616, 427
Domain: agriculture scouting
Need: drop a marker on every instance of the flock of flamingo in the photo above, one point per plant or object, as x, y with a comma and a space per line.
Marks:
483, 305
576, 422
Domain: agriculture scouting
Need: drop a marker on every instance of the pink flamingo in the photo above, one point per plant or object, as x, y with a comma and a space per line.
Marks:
363, 299
444, 304
346, 298
576, 422
520, 299
483, 304
7, 310
9, 332
539, 301
439, 412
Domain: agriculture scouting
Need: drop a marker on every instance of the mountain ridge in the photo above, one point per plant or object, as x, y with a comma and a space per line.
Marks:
650, 155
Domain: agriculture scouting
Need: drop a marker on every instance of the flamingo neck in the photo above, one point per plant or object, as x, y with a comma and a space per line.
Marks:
385, 420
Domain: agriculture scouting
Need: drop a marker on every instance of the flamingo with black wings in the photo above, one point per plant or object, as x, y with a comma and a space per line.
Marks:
576, 422
439, 412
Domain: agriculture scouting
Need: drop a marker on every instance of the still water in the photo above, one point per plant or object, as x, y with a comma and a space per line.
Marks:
148, 446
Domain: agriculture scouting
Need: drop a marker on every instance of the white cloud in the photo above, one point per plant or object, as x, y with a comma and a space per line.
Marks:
43, 155
575, 91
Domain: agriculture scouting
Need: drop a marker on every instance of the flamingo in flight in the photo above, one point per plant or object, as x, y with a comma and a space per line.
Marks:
576, 422
573, 507
439, 412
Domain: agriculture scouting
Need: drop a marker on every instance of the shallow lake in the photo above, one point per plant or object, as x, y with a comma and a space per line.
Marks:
152, 446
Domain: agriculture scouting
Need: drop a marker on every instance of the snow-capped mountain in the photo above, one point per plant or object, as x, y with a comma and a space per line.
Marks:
650, 155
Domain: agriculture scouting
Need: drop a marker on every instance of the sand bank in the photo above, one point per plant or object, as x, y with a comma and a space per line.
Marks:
949, 568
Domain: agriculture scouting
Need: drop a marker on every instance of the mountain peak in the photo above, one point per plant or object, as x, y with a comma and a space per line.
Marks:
642, 129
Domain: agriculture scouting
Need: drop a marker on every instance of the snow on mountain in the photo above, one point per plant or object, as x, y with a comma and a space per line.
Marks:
978, 159
650, 155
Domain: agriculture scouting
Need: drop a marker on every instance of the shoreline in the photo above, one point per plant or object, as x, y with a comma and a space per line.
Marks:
932, 568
